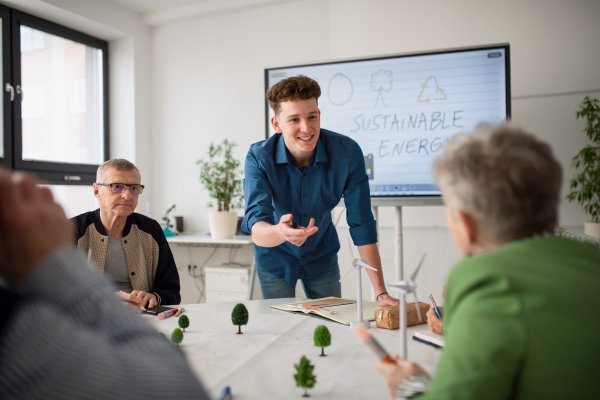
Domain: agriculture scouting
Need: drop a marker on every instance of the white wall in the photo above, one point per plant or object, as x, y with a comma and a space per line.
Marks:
208, 84
198, 78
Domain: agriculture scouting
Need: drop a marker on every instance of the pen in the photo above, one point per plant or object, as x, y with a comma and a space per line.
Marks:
373, 344
167, 313
225, 394
435, 307
178, 313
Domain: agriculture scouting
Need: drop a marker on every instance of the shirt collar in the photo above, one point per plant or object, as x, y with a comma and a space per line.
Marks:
281, 152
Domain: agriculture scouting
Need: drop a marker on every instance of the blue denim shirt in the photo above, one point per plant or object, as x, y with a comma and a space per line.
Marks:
275, 185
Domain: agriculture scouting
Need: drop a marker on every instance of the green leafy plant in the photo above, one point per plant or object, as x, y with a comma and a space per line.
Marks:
304, 375
322, 338
220, 175
585, 185
183, 322
177, 336
239, 316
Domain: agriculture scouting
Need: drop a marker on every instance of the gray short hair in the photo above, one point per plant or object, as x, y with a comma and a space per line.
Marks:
120, 164
506, 179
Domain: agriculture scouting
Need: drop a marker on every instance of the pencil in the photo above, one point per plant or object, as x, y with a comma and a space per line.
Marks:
373, 344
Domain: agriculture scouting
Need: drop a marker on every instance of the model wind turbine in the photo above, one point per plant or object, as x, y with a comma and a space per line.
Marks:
404, 288
358, 263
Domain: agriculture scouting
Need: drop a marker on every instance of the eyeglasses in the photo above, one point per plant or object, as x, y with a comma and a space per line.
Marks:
134, 189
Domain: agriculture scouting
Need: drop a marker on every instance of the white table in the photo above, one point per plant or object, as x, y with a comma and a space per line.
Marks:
259, 364
205, 240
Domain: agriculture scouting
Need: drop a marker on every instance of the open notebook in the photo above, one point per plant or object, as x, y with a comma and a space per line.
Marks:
430, 338
339, 310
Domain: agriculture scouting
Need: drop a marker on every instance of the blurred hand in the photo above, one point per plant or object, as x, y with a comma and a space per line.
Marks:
32, 225
396, 373
140, 297
296, 236
386, 300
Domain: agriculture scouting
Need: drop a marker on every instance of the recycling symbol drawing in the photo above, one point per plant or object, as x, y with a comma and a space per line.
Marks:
430, 93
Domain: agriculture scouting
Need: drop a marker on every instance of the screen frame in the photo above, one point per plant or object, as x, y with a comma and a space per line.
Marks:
394, 200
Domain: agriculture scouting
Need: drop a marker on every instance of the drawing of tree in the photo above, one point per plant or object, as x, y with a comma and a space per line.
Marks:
382, 81
322, 338
304, 375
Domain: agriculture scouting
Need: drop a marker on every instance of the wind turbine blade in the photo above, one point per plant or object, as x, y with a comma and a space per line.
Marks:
365, 265
347, 272
399, 286
417, 303
414, 275
351, 247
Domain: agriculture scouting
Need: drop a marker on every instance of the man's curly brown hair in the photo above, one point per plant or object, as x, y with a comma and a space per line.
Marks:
295, 88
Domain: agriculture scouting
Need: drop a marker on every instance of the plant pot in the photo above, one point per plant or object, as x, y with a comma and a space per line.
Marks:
222, 224
592, 229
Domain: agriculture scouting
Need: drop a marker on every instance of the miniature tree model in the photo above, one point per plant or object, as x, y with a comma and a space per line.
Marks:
239, 316
322, 338
304, 375
183, 322
177, 336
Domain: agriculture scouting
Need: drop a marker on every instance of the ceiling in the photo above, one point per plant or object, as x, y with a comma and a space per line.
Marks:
144, 6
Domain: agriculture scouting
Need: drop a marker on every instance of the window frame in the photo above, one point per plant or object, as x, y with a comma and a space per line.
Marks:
6, 160
52, 172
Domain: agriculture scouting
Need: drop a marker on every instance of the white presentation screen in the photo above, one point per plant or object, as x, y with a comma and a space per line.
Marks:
402, 109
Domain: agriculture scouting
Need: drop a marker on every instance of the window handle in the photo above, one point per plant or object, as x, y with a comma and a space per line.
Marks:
20, 91
11, 90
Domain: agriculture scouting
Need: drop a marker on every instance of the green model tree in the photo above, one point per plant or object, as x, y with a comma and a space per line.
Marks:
304, 375
239, 316
322, 338
183, 322
177, 336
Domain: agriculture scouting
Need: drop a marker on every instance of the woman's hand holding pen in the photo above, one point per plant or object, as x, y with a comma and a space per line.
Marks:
397, 372
434, 315
296, 236
435, 324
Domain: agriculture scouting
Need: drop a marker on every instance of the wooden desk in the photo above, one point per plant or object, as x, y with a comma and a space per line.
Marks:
259, 364
205, 240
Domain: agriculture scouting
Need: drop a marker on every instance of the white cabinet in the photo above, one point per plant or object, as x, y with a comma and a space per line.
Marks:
225, 283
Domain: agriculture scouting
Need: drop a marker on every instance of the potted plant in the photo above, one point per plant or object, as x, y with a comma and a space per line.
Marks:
585, 184
220, 175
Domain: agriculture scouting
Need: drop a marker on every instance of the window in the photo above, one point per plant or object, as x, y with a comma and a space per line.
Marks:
54, 110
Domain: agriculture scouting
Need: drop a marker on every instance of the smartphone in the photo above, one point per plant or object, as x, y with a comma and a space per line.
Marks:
157, 310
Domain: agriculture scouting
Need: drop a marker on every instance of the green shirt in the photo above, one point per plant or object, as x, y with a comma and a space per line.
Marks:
522, 322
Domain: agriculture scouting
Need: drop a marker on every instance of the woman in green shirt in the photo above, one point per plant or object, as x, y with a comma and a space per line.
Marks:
517, 312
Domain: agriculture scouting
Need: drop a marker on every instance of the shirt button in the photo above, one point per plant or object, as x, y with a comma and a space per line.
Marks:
133, 273
304, 215
304, 174
125, 241
304, 195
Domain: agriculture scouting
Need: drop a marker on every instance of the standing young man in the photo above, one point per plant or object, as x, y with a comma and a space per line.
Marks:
300, 174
